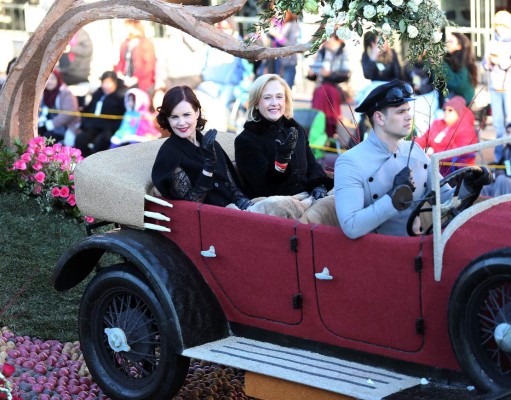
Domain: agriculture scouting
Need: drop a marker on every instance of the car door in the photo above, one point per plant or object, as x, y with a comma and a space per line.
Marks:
371, 291
254, 262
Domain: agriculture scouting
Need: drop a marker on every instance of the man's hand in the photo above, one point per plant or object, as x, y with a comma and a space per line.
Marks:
286, 148
208, 147
402, 190
476, 178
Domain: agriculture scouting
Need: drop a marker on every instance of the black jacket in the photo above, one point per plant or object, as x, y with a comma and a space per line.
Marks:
113, 104
255, 157
177, 173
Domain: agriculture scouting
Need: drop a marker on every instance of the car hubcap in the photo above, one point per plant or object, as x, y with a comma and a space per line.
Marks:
502, 336
117, 339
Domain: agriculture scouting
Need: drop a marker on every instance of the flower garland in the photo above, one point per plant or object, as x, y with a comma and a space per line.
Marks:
418, 24
46, 172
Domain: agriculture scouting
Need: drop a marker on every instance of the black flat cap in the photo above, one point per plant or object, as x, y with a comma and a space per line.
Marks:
390, 94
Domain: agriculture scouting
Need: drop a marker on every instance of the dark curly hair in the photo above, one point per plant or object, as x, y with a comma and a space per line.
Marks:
171, 99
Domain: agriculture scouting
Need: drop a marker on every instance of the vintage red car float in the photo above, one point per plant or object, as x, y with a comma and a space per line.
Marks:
297, 301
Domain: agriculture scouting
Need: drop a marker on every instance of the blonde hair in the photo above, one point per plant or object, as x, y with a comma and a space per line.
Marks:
256, 92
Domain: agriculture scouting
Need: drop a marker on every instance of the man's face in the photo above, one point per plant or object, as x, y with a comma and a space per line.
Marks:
396, 121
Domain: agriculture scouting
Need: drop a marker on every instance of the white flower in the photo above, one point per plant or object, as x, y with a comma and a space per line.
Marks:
338, 4
414, 7
416, 2
329, 27
343, 33
385, 9
437, 36
352, 5
375, 1
327, 10
386, 29
412, 31
397, 3
369, 11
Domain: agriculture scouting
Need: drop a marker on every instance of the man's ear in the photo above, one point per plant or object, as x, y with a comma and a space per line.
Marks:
379, 118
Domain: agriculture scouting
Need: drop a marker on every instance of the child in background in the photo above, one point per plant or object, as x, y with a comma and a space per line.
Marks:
138, 121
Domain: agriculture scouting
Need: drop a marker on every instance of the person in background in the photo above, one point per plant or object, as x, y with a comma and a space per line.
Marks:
287, 34
455, 129
379, 64
74, 64
272, 152
461, 77
330, 68
189, 165
138, 122
10, 64
107, 106
426, 101
137, 59
52, 122
497, 61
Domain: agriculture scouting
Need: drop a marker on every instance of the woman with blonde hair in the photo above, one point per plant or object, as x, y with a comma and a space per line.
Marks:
272, 152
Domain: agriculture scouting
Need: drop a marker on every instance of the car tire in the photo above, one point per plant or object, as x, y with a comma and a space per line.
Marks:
118, 297
480, 302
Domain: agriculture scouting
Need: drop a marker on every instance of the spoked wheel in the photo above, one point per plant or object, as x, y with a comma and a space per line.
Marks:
450, 208
127, 341
480, 325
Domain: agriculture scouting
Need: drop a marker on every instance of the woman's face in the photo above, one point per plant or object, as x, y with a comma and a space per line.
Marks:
183, 120
108, 85
52, 82
272, 104
452, 44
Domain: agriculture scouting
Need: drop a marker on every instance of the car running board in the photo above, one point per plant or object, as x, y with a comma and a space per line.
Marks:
304, 367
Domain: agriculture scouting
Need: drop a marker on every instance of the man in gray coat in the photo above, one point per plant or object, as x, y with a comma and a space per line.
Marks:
377, 180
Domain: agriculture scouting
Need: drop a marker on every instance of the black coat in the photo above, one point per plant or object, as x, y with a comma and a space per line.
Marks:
176, 152
255, 149
113, 104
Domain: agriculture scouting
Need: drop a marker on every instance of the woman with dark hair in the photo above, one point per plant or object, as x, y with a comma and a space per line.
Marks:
461, 67
379, 64
190, 165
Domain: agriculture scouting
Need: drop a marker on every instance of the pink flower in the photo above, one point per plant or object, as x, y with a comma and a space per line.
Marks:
37, 189
89, 220
38, 141
49, 151
57, 147
71, 177
40, 177
55, 192
37, 166
42, 157
71, 200
64, 191
26, 157
20, 164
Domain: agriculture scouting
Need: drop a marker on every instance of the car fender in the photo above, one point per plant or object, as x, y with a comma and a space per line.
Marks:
176, 282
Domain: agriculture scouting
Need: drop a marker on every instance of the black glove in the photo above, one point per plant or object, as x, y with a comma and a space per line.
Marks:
402, 190
243, 203
319, 192
286, 148
476, 178
208, 147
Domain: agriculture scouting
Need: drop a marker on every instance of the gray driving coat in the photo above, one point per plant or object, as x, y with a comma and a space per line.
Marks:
364, 175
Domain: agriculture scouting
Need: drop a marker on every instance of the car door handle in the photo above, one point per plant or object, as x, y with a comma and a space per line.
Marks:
209, 252
324, 275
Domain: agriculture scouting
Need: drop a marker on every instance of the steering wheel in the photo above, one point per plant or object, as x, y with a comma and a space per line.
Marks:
449, 208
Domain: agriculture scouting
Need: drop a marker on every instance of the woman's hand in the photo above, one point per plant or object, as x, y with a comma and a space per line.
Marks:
208, 147
286, 148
